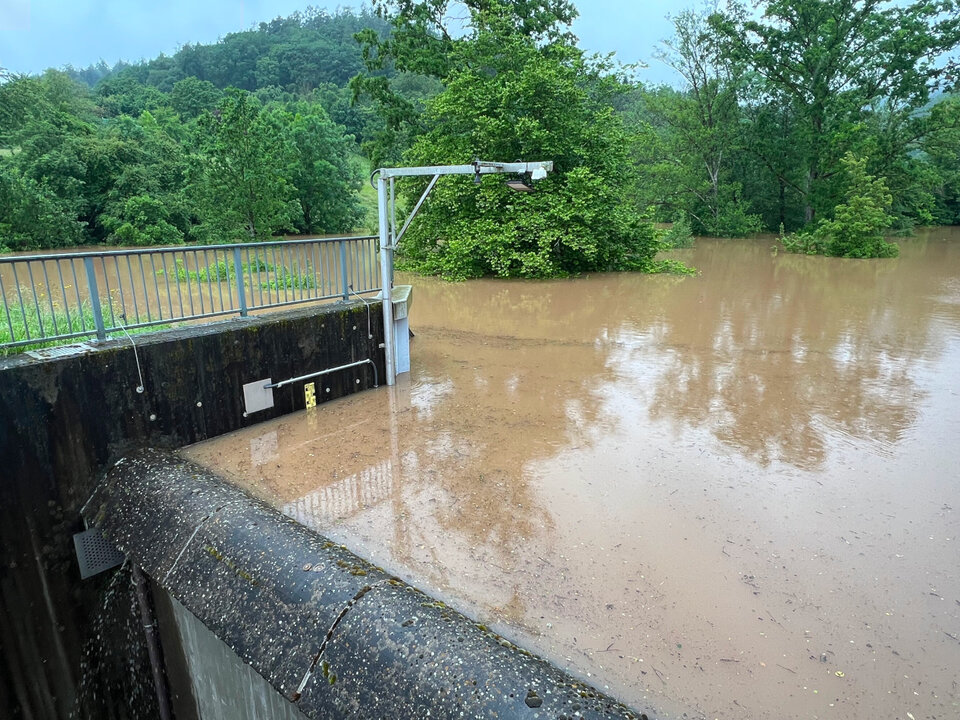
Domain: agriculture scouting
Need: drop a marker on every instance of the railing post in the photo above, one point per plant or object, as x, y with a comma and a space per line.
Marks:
241, 290
95, 299
343, 271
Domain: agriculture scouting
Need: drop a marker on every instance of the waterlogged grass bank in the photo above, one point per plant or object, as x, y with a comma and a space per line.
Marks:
17, 325
281, 276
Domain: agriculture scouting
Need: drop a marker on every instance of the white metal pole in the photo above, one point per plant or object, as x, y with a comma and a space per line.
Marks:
386, 280
393, 228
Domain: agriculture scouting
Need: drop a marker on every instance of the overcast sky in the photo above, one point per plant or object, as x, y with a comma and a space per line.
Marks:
37, 34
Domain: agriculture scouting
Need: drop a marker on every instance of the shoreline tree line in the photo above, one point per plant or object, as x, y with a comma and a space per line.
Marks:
833, 122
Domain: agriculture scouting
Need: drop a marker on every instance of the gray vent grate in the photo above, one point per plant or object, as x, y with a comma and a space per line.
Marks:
58, 352
95, 553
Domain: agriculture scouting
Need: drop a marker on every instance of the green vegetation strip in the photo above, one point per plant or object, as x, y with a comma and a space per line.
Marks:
31, 324
821, 117
277, 276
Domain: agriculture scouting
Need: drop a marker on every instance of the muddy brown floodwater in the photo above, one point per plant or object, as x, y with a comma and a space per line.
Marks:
735, 495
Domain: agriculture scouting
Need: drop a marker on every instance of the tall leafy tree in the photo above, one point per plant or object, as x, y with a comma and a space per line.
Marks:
844, 67
423, 41
242, 188
325, 182
145, 203
700, 135
516, 88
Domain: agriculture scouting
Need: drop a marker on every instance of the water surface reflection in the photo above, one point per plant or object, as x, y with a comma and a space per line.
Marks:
714, 493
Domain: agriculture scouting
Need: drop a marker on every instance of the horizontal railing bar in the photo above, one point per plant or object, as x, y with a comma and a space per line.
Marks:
309, 300
176, 249
50, 339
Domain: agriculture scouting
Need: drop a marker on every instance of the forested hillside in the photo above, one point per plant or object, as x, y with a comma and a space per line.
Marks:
250, 137
833, 119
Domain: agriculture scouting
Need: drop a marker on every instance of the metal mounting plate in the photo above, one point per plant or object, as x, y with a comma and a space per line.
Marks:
256, 396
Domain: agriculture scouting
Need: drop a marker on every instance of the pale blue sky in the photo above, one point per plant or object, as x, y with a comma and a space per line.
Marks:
37, 34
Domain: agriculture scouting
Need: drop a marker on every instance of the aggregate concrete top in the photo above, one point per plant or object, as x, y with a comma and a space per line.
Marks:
334, 634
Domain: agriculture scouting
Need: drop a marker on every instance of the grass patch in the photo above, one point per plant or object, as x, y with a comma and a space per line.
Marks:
221, 271
289, 280
368, 196
34, 324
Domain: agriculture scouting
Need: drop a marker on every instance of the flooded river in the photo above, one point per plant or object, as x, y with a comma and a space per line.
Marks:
734, 495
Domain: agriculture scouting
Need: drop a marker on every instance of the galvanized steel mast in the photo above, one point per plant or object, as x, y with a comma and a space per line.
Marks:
389, 238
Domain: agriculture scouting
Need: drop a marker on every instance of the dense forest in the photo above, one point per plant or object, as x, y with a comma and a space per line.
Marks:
834, 122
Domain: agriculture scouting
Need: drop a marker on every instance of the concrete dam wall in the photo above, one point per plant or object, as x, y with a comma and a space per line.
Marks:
338, 637
63, 420
321, 633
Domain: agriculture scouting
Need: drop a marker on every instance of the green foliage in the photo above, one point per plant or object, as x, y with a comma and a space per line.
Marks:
243, 187
191, 96
847, 77
689, 141
680, 234
940, 172
856, 228
34, 323
507, 97
32, 215
158, 154
284, 278
124, 95
755, 137
421, 43
143, 220
274, 276
325, 181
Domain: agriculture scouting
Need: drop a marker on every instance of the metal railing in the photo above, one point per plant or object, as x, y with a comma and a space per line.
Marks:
56, 297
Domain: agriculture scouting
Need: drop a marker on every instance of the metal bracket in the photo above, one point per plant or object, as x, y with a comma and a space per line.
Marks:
95, 553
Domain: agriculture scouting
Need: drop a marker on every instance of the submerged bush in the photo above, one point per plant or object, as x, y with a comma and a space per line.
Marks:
680, 234
856, 228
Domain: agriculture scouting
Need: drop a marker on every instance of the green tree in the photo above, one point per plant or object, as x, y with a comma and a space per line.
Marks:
191, 96
144, 201
142, 220
326, 183
242, 187
421, 43
699, 133
852, 71
31, 214
124, 94
940, 148
508, 97
855, 231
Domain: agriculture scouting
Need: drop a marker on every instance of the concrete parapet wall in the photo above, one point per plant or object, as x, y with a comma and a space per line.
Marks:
335, 635
62, 420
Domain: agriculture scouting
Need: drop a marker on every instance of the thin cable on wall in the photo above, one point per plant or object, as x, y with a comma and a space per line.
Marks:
369, 332
136, 357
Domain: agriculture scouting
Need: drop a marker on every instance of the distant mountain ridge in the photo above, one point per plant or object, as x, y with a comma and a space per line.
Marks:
296, 54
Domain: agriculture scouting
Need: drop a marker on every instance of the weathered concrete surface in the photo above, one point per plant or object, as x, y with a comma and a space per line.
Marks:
225, 688
63, 420
337, 636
